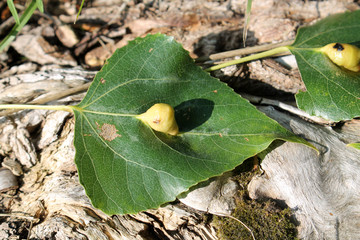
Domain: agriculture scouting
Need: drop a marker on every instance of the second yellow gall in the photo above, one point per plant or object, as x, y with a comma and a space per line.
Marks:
342, 54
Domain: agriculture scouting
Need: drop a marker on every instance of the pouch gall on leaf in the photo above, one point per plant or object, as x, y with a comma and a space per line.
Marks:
161, 118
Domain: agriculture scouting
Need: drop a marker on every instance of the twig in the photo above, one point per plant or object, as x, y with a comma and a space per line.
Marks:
243, 51
18, 215
30, 228
248, 58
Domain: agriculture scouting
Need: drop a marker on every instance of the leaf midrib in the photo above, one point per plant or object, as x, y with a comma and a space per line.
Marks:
218, 133
172, 149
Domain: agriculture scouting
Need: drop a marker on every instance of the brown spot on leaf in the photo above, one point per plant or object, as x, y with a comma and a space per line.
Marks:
215, 91
102, 80
109, 132
150, 50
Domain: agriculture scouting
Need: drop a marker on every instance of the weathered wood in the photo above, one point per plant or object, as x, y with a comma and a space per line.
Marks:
321, 188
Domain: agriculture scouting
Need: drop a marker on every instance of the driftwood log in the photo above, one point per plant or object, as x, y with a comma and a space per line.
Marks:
320, 187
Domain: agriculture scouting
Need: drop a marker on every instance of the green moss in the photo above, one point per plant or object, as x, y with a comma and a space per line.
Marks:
265, 218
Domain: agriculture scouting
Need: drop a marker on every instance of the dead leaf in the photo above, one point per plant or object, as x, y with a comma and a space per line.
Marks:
38, 50
66, 36
141, 26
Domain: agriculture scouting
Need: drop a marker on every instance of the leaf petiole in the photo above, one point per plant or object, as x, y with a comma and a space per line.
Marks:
250, 58
31, 106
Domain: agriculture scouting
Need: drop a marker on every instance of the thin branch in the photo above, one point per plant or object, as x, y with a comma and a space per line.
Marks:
19, 215
244, 51
256, 56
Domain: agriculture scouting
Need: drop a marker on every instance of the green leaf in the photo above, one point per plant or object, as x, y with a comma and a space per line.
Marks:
332, 91
124, 165
354, 145
13, 11
40, 5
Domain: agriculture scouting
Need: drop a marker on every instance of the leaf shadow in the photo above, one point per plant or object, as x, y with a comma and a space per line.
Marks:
188, 115
193, 113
